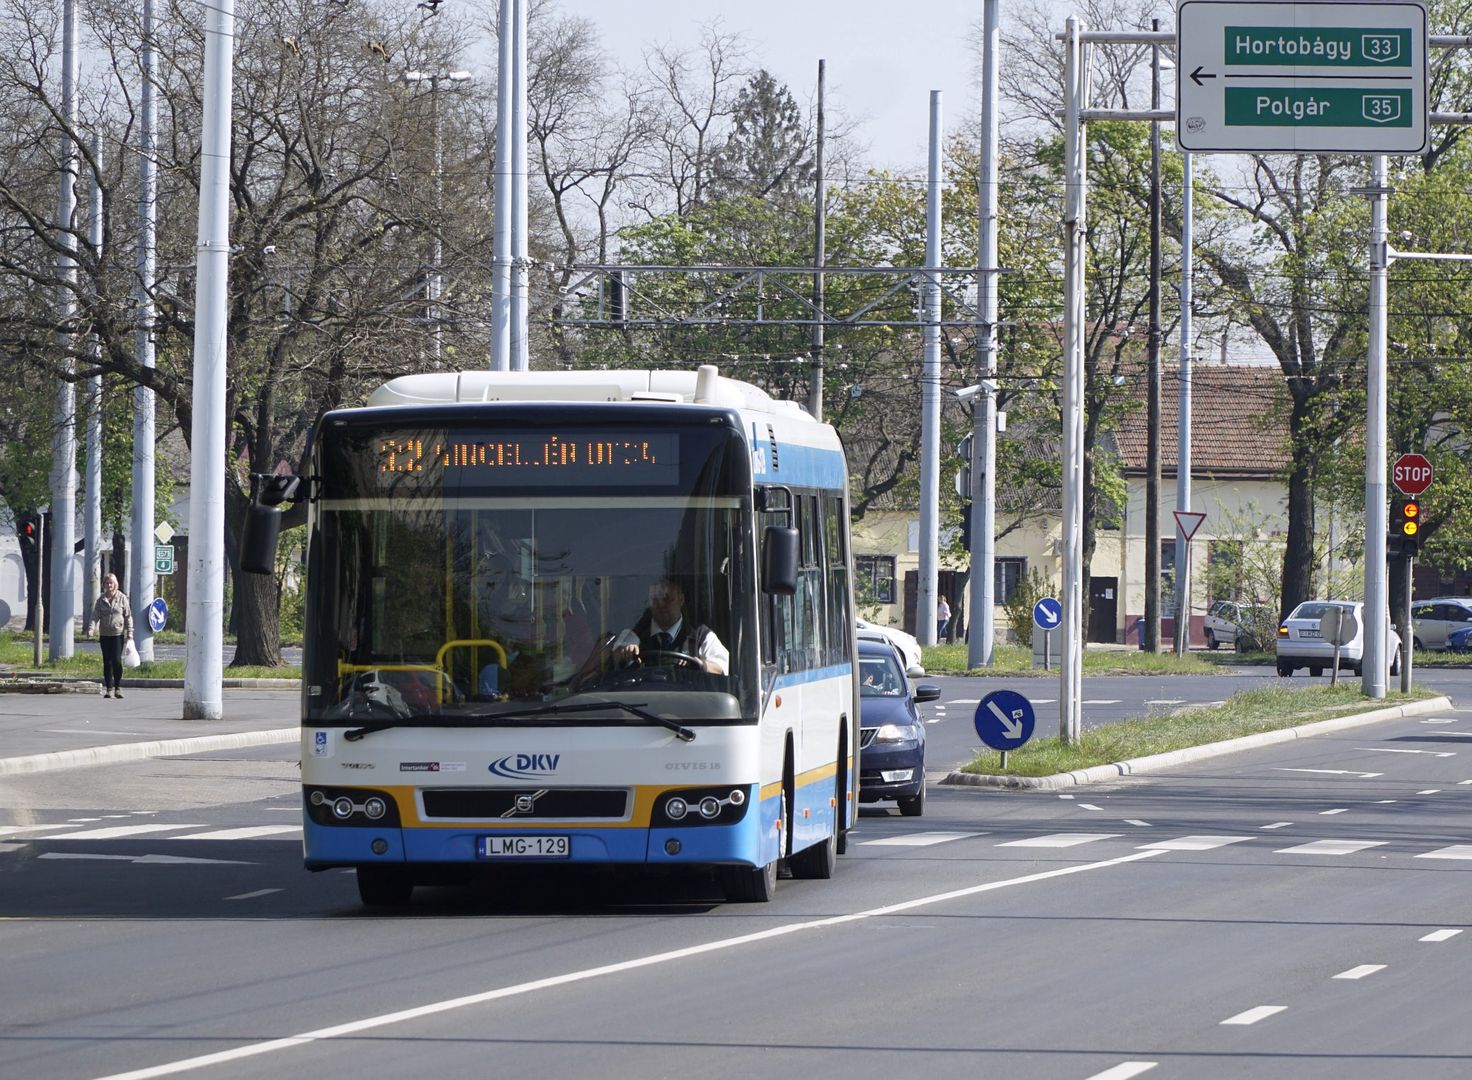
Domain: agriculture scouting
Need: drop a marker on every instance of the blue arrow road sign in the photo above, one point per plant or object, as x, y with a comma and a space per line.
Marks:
1004, 720
158, 614
1047, 613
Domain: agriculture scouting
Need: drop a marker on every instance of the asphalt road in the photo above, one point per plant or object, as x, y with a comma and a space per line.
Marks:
1294, 911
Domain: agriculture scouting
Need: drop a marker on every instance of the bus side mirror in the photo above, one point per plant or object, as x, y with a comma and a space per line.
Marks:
263, 520
258, 539
779, 560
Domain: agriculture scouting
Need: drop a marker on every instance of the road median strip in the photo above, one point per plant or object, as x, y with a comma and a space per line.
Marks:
138, 751
1153, 762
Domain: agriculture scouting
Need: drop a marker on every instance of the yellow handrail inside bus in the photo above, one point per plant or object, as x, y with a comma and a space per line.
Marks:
437, 668
470, 643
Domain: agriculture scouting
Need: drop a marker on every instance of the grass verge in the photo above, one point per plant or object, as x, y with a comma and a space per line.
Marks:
1244, 713
18, 652
1015, 660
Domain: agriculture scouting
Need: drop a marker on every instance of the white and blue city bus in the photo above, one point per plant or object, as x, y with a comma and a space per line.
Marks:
482, 547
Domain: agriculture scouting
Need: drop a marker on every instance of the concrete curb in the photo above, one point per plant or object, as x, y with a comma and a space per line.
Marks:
14, 684
1194, 753
120, 752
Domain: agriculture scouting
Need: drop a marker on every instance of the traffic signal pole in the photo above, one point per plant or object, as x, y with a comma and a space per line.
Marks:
1408, 644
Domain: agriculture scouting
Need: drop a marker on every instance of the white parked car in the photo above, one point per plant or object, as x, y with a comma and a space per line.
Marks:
1237, 624
906, 644
1301, 643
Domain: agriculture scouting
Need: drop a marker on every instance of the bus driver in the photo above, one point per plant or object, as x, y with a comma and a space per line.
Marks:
663, 628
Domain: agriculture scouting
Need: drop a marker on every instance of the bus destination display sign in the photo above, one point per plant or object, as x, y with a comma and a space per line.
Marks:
544, 457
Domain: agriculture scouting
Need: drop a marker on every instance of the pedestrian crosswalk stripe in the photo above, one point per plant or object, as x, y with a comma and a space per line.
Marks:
1194, 843
1330, 847
919, 839
1059, 840
285, 832
17, 830
1456, 851
117, 832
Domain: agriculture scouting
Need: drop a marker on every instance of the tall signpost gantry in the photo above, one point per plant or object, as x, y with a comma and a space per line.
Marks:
1319, 78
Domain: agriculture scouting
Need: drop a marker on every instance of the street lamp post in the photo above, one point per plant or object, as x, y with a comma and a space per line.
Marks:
435, 283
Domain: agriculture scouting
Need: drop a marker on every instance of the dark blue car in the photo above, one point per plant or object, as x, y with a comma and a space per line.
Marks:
891, 733
1460, 640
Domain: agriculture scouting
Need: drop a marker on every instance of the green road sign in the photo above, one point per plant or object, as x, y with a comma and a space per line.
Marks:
163, 558
1312, 78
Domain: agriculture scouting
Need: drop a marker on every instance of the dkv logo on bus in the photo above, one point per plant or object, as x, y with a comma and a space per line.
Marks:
525, 766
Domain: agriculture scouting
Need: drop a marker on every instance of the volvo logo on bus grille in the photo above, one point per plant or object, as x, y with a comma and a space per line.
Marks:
526, 802
525, 766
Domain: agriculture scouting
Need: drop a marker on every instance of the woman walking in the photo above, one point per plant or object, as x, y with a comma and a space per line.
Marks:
114, 628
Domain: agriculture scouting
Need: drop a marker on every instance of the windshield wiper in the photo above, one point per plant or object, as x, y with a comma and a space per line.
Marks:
681, 732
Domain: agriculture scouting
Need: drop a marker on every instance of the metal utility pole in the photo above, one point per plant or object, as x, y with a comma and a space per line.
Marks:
63, 598
982, 606
1070, 659
520, 266
925, 623
820, 225
141, 526
435, 285
1375, 662
1152, 406
501, 219
38, 605
1183, 426
203, 663
92, 510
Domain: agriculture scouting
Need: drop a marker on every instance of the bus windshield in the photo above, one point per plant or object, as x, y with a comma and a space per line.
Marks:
462, 594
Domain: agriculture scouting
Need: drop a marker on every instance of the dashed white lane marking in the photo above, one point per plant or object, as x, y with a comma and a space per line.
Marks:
283, 832
1456, 851
1337, 772
1124, 1070
142, 860
1100, 701
1394, 750
1385, 802
967, 701
1252, 1016
1429, 791
1137, 821
1439, 720
1087, 806
1360, 972
1066, 796
383, 1020
919, 839
82, 820
1278, 825
1330, 847
1165, 701
1440, 935
1059, 840
115, 832
253, 895
79, 855
1463, 783
1329, 813
1194, 843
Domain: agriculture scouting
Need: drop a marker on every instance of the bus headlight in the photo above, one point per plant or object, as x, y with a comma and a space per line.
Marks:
701, 806
676, 809
374, 808
342, 808
710, 808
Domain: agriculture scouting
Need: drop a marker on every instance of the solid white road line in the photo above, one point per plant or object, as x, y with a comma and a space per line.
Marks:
83, 855
1062, 839
353, 1027
1124, 1070
1456, 851
1440, 935
1252, 1016
253, 895
1194, 843
1330, 847
919, 839
284, 832
1360, 972
118, 832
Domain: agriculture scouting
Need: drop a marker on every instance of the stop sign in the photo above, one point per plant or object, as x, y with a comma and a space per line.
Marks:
1411, 474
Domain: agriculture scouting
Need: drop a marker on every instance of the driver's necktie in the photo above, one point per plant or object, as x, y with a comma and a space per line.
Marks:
663, 641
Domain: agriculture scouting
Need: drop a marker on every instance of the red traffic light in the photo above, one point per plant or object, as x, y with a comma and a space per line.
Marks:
30, 530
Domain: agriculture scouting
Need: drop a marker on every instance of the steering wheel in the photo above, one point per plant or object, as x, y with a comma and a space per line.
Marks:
656, 656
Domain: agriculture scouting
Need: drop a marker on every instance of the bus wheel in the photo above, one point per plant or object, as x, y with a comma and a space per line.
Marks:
818, 861
750, 884
385, 886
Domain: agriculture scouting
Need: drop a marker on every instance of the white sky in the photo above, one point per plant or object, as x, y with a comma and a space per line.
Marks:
883, 58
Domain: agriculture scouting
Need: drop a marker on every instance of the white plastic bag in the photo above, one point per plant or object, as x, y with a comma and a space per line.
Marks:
130, 654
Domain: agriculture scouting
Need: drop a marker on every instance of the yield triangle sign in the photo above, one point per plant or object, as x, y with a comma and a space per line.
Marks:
1188, 522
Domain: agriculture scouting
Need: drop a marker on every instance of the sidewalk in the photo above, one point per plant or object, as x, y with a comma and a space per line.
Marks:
43, 732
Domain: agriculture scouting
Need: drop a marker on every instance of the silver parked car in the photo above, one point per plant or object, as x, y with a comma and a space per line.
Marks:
1437, 619
1301, 643
1238, 625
